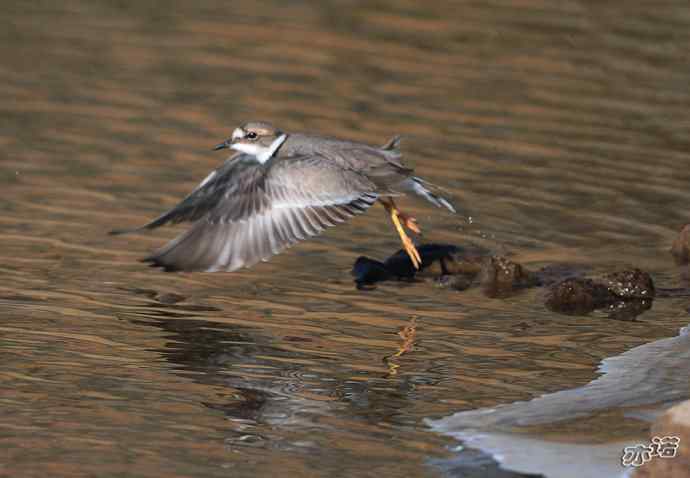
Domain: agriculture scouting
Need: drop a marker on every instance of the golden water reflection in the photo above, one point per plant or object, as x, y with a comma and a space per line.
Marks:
560, 127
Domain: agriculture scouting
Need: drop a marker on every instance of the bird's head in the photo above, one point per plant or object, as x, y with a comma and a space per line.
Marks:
258, 139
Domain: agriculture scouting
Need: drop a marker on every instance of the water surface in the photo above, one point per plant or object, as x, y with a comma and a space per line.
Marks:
560, 127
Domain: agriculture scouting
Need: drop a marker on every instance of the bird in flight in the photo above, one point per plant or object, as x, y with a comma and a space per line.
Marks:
281, 188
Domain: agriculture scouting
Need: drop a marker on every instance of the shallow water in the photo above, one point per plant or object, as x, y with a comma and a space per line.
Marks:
560, 128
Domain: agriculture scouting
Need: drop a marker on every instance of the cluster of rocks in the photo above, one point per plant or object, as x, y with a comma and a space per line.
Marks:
625, 294
450, 266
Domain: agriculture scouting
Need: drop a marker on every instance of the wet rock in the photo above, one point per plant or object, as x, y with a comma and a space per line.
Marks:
455, 282
626, 294
438, 260
452, 260
628, 309
369, 271
674, 423
630, 284
578, 296
681, 246
623, 294
501, 277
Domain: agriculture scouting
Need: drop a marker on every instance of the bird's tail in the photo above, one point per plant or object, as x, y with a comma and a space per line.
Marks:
429, 192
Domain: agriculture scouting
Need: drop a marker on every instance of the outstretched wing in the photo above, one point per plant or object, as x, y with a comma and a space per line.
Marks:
246, 212
206, 195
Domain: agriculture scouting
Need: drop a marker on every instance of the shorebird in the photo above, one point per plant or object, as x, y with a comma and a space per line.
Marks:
280, 188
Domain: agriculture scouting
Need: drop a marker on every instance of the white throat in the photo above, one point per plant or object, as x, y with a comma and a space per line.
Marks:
261, 153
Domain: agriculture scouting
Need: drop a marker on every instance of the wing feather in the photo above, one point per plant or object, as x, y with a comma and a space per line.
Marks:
247, 211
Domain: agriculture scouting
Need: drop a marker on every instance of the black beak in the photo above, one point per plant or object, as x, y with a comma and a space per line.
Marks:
222, 145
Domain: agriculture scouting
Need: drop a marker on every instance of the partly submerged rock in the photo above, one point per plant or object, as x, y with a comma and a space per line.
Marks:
630, 284
628, 309
452, 267
369, 271
577, 296
455, 282
438, 260
626, 294
501, 277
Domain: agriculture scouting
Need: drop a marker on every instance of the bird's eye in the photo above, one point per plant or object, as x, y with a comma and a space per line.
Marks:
251, 135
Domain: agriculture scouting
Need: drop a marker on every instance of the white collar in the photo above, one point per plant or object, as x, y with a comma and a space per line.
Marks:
268, 154
261, 154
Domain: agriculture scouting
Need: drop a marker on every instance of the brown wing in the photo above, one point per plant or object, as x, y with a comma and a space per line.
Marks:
248, 211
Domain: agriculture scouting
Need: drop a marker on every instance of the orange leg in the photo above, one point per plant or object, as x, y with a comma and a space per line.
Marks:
410, 223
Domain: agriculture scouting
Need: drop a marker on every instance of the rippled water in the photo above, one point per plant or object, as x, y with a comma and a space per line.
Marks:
560, 127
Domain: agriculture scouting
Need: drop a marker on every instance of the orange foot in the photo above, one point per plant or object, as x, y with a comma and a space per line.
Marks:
411, 223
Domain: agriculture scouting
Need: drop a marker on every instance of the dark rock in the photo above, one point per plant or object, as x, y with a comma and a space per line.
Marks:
455, 261
455, 282
630, 284
681, 246
369, 271
437, 260
578, 296
501, 277
626, 294
628, 309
